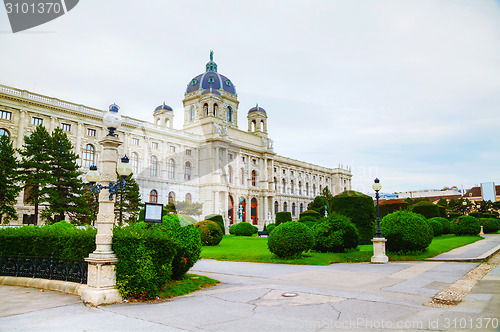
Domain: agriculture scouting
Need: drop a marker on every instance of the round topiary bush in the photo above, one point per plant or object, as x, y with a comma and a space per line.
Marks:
445, 223
232, 228
436, 225
255, 229
219, 220
309, 221
406, 231
210, 232
360, 209
491, 225
391, 205
62, 225
282, 217
188, 240
290, 240
336, 233
310, 213
466, 225
243, 229
427, 209
270, 227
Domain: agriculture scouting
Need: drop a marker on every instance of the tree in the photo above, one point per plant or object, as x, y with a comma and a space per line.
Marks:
9, 176
189, 208
66, 189
443, 202
318, 204
127, 202
35, 167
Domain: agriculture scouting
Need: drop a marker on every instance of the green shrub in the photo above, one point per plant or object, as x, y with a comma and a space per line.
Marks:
336, 233
62, 225
255, 229
437, 226
466, 225
311, 213
427, 209
232, 228
282, 217
484, 215
452, 215
210, 232
309, 221
188, 244
270, 227
445, 223
219, 220
184, 219
360, 209
442, 211
406, 231
243, 229
144, 261
391, 205
490, 225
290, 239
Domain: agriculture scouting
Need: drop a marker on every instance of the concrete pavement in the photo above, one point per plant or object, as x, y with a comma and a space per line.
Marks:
273, 297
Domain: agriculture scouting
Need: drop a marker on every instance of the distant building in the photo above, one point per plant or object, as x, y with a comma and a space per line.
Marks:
474, 194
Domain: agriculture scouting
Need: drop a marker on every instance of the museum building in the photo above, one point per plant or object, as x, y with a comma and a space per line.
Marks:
232, 172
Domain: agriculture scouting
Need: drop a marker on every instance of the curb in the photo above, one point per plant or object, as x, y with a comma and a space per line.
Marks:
480, 258
67, 287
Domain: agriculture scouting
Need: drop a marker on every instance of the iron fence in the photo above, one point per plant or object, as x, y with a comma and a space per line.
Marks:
43, 267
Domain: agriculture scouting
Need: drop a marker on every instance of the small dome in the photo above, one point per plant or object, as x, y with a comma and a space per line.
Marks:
210, 91
211, 79
257, 109
164, 107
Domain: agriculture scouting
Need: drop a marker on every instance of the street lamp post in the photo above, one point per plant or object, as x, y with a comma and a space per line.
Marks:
464, 203
379, 241
101, 280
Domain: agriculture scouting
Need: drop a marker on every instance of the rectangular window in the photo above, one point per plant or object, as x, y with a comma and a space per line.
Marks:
65, 127
172, 148
154, 145
5, 115
275, 170
36, 121
135, 141
230, 156
188, 152
91, 132
243, 159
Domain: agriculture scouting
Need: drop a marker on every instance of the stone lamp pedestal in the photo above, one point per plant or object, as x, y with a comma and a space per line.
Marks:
101, 278
379, 256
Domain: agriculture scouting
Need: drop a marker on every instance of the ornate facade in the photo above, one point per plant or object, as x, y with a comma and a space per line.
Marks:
231, 171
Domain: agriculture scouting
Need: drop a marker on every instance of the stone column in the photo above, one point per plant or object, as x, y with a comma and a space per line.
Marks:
379, 250
101, 279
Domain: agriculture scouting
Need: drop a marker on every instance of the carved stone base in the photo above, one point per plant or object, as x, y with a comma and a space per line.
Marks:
379, 256
101, 296
101, 280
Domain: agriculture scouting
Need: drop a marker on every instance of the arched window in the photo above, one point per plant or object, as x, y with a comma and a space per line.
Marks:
301, 208
158, 121
262, 125
275, 185
171, 197
153, 171
167, 122
293, 209
292, 186
307, 189
4, 132
320, 189
215, 109
88, 156
229, 114
205, 109
230, 209
134, 161
253, 126
171, 169
187, 171
276, 207
314, 190
153, 196
253, 211
191, 114
300, 188
230, 174
188, 198
285, 206
242, 176
254, 178
284, 186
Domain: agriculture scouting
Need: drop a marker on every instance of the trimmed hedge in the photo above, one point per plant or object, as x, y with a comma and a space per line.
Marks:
310, 213
243, 229
445, 223
391, 205
437, 226
219, 220
427, 209
282, 217
336, 233
210, 232
490, 225
360, 209
309, 221
270, 227
466, 225
290, 240
144, 261
406, 231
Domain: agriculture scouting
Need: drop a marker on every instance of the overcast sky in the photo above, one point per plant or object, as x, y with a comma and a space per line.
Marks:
407, 91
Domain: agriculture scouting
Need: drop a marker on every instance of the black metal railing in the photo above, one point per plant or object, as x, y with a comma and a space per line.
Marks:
42, 267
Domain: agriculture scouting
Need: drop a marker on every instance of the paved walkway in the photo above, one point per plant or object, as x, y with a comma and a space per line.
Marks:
273, 297
476, 251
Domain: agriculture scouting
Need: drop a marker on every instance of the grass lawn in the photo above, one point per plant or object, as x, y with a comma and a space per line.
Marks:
188, 284
254, 249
